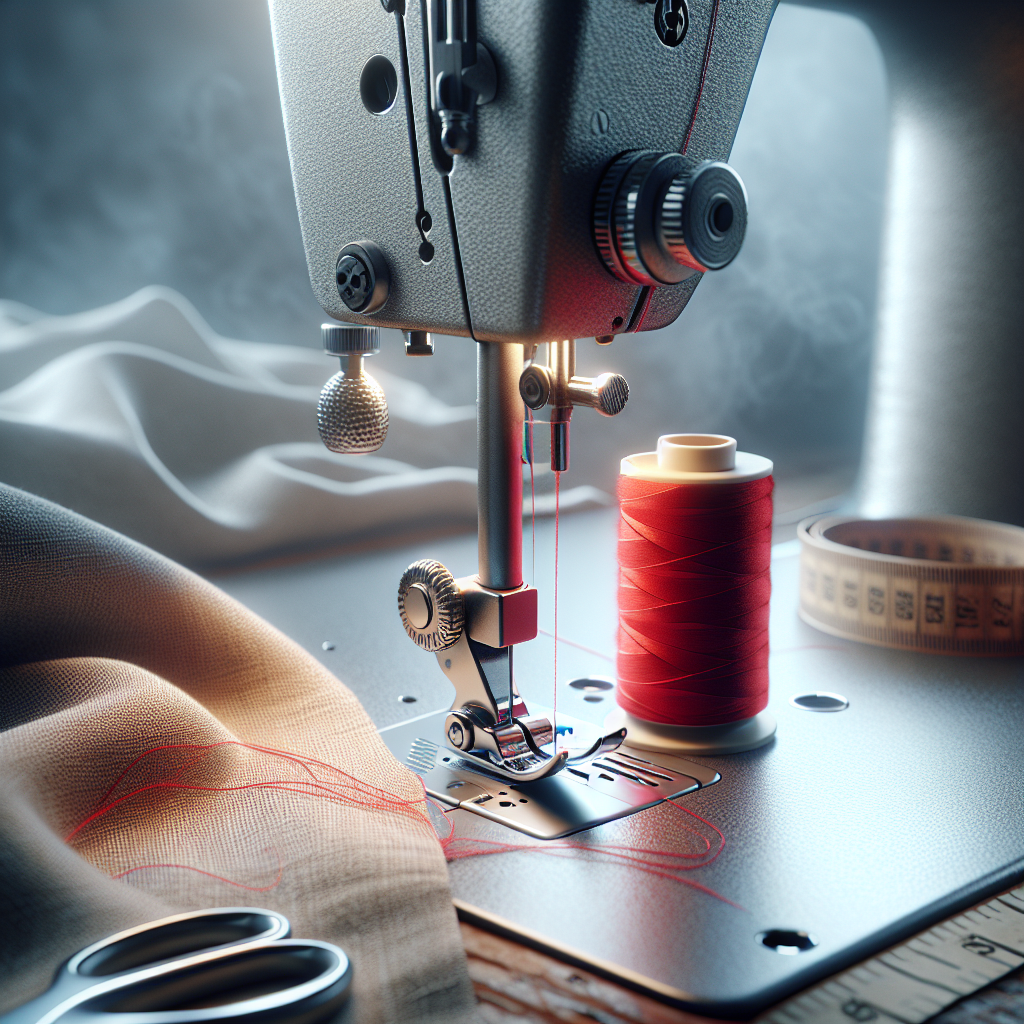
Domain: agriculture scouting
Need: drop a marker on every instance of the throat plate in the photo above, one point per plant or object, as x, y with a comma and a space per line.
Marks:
577, 798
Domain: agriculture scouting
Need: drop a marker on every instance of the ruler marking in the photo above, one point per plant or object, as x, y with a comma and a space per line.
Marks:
1018, 904
908, 973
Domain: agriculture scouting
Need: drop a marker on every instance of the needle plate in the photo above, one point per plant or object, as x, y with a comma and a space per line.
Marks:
577, 798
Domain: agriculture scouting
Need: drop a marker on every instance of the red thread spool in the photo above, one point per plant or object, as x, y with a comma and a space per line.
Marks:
694, 585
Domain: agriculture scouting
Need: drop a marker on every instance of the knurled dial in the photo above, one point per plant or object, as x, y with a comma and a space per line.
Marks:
352, 414
431, 606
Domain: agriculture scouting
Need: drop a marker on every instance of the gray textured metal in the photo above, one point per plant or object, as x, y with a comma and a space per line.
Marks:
352, 413
513, 257
356, 174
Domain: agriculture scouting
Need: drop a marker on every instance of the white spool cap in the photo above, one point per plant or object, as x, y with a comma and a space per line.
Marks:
696, 458
696, 453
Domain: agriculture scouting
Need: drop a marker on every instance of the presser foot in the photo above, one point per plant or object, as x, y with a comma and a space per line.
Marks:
510, 750
472, 630
514, 751
602, 746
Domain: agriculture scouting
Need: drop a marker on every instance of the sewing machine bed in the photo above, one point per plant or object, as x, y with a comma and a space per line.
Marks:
859, 827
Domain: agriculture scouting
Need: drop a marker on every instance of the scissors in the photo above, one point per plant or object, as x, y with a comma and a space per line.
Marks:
222, 965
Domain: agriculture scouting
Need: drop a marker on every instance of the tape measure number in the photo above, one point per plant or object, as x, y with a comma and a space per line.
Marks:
947, 584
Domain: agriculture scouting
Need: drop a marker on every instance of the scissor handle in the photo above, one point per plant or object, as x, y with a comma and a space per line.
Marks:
226, 964
173, 937
307, 981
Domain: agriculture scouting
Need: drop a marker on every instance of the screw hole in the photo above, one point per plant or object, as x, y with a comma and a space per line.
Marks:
378, 85
721, 217
820, 701
505, 803
593, 684
617, 322
407, 699
788, 943
426, 252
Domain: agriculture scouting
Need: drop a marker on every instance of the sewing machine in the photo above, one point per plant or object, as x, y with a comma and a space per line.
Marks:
524, 175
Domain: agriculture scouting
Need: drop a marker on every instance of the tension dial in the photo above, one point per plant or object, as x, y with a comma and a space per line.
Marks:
431, 605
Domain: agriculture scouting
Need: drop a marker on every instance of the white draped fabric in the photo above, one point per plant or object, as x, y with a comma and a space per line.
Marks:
140, 416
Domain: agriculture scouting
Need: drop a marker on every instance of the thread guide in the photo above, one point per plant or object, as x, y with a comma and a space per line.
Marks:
578, 798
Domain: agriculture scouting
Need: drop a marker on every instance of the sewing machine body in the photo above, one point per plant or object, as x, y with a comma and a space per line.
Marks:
858, 827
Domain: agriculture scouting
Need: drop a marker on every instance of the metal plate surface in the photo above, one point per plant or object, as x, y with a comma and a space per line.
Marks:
577, 798
862, 827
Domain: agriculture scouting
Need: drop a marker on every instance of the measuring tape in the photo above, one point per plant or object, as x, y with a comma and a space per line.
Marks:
948, 584
919, 979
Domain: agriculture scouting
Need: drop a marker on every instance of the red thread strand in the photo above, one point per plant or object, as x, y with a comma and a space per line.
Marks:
324, 781
694, 587
209, 874
660, 863
533, 506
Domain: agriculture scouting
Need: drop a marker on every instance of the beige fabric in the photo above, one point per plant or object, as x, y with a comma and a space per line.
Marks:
109, 651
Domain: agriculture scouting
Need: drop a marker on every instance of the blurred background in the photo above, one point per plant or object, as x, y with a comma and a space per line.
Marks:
141, 143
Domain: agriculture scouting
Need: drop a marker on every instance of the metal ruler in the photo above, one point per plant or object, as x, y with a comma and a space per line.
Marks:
914, 982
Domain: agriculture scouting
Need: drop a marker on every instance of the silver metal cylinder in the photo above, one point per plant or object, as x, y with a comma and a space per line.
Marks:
499, 429
946, 410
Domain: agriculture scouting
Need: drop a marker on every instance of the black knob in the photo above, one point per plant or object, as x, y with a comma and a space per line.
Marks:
363, 277
659, 218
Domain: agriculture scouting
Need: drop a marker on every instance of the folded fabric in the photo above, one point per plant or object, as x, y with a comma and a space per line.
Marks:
164, 749
140, 416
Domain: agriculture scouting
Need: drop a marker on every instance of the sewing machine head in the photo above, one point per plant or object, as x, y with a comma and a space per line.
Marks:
519, 174
514, 171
